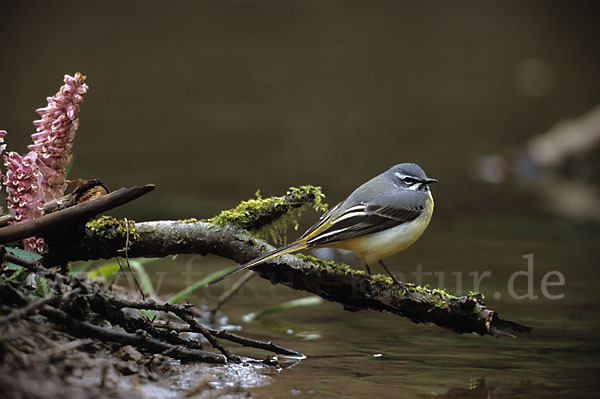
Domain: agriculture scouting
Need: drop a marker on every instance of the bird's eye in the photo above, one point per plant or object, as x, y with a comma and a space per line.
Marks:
409, 180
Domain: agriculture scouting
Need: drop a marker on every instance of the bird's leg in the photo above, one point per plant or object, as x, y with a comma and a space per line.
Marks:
368, 270
390, 273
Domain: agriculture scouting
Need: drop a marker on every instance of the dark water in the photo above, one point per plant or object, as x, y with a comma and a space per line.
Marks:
212, 101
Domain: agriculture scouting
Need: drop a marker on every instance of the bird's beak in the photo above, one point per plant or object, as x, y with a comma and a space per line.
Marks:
429, 181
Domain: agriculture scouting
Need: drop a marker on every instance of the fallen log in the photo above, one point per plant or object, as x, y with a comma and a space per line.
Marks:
335, 282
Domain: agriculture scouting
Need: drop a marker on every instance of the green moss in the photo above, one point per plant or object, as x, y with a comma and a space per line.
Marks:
109, 228
244, 214
316, 192
269, 218
381, 279
276, 230
439, 297
341, 267
477, 295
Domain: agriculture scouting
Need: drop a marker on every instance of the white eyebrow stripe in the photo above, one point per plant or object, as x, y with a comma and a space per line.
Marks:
400, 175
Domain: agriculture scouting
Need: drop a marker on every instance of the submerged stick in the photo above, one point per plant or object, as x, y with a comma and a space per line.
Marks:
239, 283
226, 335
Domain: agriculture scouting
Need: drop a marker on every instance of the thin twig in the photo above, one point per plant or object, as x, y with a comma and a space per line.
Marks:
33, 306
148, 304
248, 342
185, 316
139, 340
127, 260
254, 343
27, 310
234, 288
50, 353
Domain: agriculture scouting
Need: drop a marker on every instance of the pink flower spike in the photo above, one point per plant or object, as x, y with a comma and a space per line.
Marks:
23, 181
39, 176
55, 132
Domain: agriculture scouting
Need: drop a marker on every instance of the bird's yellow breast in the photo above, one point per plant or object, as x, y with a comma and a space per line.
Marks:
374, 247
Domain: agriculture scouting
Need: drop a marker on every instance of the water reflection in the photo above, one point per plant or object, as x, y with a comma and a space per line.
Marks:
478, 390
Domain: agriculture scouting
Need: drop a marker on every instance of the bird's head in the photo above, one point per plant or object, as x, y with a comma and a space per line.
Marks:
410, 176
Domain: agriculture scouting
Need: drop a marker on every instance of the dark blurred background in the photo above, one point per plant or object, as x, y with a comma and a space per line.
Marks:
213, 100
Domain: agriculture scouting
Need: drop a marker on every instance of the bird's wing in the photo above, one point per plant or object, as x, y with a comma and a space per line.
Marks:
322, 222
382, 213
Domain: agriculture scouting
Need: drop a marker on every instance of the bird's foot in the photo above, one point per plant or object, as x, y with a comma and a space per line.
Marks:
394, 279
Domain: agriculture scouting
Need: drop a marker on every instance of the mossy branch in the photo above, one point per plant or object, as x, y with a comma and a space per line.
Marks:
269, 218
105, 238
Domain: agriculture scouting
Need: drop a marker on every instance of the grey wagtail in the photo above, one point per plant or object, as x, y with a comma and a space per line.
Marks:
380, 218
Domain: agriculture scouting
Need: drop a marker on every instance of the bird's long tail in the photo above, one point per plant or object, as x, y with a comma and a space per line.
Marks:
286, 249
